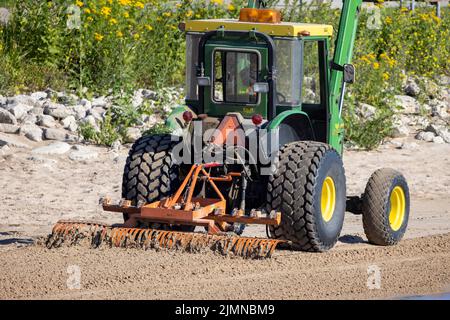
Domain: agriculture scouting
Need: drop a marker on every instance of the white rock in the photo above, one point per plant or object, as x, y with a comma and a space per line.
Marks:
5, 16
86, 103
366, 111
411, 88
47, 121
32, 132
440, 131
40, 95
438, 140
56, 110
97, 112
19, 110
444, 80
438, 108
70, 123
425, 136
83, 154
52, 149
90, 119
410, 146
38, 111
23, 99
30, 119
42, 160
3, 101
4, 150
79, 111
101, 102
408, 104
7, 117
132, 134
12, 141
55, 134
9, 128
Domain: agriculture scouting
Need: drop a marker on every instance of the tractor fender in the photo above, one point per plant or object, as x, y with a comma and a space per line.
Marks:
175, 121
292, 125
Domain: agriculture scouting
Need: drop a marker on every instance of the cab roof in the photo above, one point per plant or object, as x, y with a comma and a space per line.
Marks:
283, 29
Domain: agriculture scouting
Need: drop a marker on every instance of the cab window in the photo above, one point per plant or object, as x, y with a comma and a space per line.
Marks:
311, 73
234, 75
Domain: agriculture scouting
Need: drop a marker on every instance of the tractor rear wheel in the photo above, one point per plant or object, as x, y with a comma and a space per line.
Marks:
309, 189
385, 206
150, 174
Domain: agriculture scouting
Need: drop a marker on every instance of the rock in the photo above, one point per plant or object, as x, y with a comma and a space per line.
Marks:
30, 119
132, 135
116, 146
408, 104
438, 140
79, 112
38, 111
83, 154
400, 129
9, 128
19, 110
23, 99
86, 103
55, 134
52, 149
40, 95
12, 141
42, 160
47, 121
440, 131
366, 111
32, 132
151, 120
4, 151
425, 136
56, 110
100, 102
97, 112
410, 146
431, 88
70, 123
90, 119
7, 117
137, 99
438, 108
443, 80
411, 88
5, 16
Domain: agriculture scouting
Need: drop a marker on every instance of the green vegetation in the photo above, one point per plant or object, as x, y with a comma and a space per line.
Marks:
93, 46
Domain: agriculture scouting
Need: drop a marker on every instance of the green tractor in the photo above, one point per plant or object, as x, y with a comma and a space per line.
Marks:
261, 84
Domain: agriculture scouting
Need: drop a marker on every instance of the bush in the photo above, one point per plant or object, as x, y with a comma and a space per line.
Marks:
123, 44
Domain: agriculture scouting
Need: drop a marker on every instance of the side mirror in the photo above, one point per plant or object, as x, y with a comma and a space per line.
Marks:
349, 73
261, 87
203, 81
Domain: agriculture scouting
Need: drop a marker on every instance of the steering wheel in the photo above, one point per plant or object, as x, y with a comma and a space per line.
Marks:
280, 95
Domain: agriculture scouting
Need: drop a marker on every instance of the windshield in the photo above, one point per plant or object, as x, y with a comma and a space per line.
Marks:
235, 73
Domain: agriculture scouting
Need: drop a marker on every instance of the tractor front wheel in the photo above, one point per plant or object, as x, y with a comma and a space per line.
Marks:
385, 206
309, 189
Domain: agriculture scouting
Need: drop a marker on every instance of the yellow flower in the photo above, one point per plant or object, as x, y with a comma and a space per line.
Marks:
139, 5
87, 10
106, 11
376, 65
178, 5
125, 2
98, 36
119, 34
385, 76
79, 3
90, 19
388, 20
167, 14
217, 2
148, 27
136, 36
126, 14
113, 21
189, 14
231, 7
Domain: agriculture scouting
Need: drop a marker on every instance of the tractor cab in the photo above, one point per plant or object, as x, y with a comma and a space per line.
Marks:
259, 65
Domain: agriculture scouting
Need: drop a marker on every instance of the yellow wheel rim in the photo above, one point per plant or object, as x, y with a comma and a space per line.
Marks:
328, 199
398, 205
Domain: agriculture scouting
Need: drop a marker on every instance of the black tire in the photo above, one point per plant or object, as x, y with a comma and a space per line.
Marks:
376, 207
295, 189
150, 174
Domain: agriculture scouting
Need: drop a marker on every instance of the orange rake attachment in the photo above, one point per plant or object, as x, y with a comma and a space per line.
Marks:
94, 235
180, 209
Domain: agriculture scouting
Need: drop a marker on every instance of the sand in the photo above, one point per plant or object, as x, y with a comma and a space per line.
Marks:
36, 193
